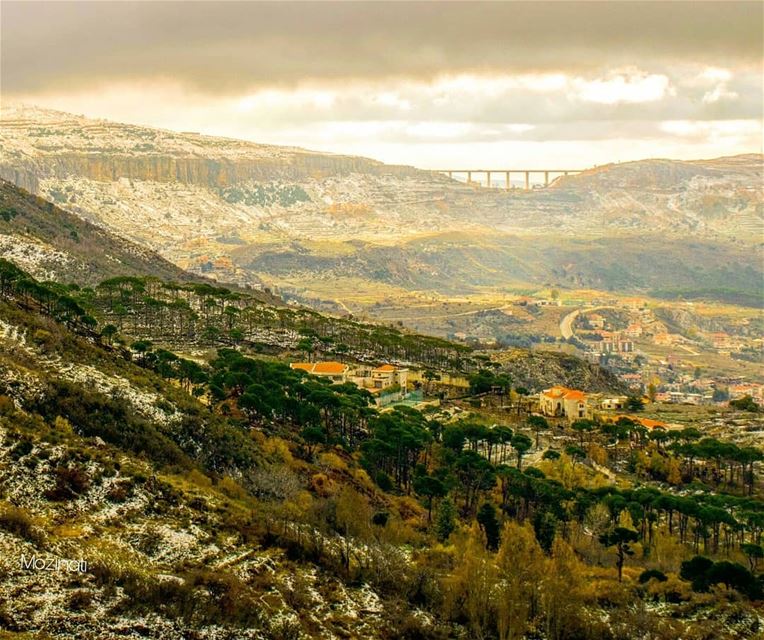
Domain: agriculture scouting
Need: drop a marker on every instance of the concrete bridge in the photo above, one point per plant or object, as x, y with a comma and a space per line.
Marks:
506, 183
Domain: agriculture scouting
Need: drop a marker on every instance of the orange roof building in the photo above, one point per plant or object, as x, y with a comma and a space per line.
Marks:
647, 423
558, 402
337, 371
388, 375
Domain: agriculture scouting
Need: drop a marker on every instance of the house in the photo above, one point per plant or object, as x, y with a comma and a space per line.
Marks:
560, 402
388, 376
336, 371
756, 391
613, 403
634, 330
647, 423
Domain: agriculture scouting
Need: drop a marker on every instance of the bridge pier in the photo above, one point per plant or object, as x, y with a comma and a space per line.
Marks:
492, 183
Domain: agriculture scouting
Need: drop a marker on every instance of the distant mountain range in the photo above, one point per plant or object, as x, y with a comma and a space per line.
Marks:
240, 211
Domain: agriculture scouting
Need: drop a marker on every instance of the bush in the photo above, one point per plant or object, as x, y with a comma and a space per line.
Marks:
71, 482
113, 419
651, 574
18, 522
80, 600
21, 448
383, 481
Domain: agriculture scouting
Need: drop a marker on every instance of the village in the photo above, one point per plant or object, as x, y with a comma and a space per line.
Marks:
390, 386
668, 363
679, 353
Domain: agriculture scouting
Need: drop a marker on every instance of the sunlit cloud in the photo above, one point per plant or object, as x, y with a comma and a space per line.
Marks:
631, 87
717, 131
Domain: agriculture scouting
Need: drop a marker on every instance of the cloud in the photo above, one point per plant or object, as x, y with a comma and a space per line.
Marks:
630, 87
233, 47
411, 82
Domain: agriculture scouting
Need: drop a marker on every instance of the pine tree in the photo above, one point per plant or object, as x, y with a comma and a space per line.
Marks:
445, 520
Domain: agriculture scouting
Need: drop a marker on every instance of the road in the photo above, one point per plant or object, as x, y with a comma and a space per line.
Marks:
566, 324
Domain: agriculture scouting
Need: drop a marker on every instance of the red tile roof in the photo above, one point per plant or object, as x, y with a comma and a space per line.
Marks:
319, 368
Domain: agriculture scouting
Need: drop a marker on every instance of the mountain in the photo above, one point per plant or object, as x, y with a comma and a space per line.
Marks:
53, 244
240, 211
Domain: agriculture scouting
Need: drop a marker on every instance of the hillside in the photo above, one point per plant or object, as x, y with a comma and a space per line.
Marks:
53, 244
238, 211
231, 497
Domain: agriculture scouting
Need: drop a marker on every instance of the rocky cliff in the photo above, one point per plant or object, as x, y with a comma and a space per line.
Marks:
44, 143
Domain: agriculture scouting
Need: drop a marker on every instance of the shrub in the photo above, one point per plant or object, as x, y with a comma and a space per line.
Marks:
18, 522
71, 482
652, 574
21, 448
80, 600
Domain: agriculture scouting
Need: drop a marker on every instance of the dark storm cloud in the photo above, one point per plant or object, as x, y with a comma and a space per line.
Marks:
234, 47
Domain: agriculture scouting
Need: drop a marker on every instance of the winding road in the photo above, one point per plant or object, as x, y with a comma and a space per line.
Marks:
566, 324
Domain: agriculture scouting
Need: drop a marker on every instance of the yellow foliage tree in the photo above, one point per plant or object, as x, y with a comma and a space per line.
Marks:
561, 591
521, 568
469, 590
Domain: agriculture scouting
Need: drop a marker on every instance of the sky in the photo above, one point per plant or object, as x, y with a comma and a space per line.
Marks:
432, 84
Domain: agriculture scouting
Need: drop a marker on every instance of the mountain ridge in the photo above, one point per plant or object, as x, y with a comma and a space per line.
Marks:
221, 208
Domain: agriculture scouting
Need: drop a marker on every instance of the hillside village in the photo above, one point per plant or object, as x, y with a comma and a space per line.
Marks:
658, 357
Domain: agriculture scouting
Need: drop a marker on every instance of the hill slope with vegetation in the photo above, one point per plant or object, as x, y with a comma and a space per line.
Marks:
54, 244
230, 496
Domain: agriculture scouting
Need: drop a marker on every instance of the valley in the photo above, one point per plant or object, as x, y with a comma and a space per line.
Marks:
259, 392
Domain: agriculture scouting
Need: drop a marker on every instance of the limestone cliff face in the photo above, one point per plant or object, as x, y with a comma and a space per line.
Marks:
21, 177
39, 143
206, 172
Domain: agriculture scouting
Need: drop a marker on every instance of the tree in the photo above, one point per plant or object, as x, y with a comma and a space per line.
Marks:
746, 403
575, 452
108, 333
475, 475
470, 592
754, 553
445, 519
652, 574
720, 394
313, 435
582, 426
561, 592
521, 444
635, 403
696, 571
545, 528
521, 569
489, 523
430, 488
306, 345
538, 424
142, 347
620, 538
